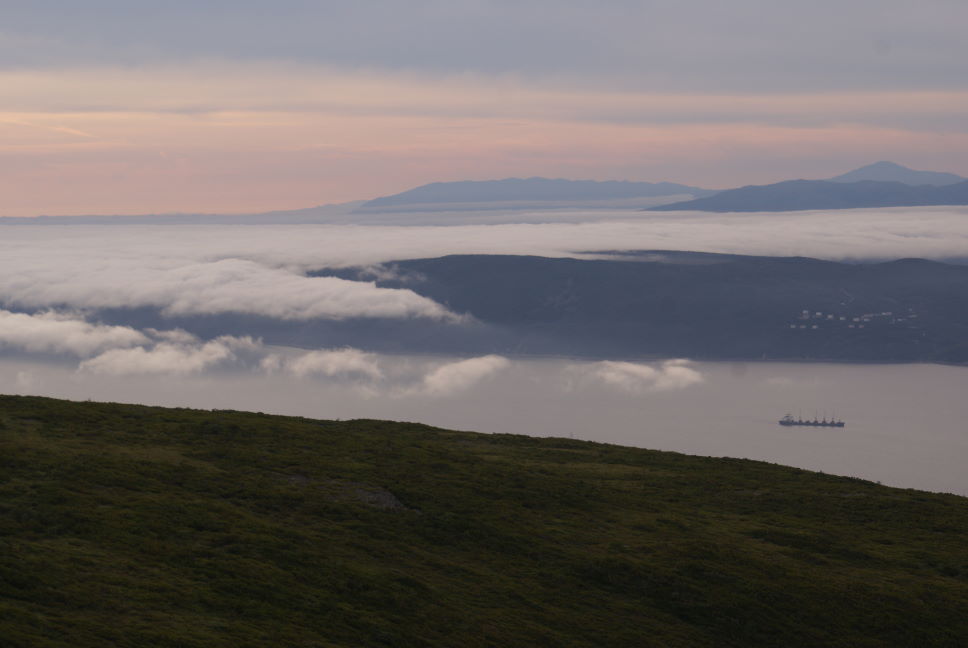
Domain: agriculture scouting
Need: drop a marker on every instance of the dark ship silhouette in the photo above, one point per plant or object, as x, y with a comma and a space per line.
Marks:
788, 420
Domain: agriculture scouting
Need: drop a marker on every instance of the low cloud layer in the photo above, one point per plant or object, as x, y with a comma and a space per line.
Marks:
637, 378
458, 376
116, 351
180, 275
52, 332
329, 363
372, 374
119, 350
170, 358
261, 270
123, 351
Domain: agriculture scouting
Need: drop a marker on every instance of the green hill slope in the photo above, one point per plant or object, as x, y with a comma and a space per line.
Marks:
135, 526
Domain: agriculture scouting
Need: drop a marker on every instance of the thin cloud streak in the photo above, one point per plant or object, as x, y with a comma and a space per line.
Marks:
262, 95
167, 163
695, 44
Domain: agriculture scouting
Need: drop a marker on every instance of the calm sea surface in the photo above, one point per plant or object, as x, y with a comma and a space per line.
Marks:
907, 425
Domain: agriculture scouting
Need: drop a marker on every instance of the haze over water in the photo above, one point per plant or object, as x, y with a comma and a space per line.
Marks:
905, 423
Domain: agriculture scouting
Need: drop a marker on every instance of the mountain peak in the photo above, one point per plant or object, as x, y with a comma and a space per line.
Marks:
887, 171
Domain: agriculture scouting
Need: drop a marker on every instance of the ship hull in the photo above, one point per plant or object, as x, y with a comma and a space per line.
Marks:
829, 424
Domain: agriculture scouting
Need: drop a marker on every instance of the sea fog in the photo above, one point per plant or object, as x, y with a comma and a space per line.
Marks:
260, 270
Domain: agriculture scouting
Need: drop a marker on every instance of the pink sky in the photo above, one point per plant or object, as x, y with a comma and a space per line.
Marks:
230, 138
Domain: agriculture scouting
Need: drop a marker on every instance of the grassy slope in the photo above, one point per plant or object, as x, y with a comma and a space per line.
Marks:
134, 526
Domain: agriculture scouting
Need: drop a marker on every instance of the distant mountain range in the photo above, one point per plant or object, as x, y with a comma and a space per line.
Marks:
529, 192
892, 172
882, 184
794, 195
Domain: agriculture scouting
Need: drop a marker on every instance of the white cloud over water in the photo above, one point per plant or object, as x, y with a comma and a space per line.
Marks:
637, 378
331, 363
124, 351
182, 275
118, 350
170, 358
459, 376
52, 332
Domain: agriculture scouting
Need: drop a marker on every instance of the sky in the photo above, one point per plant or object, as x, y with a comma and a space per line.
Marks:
215, 106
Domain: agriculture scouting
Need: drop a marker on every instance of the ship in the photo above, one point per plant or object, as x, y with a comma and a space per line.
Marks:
788, 420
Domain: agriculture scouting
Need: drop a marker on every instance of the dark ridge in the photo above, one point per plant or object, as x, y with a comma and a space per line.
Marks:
701, 306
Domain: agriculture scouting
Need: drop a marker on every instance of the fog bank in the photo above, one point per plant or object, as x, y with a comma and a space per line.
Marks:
260, 270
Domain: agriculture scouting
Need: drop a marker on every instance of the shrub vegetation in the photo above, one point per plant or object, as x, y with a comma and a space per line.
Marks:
123, 525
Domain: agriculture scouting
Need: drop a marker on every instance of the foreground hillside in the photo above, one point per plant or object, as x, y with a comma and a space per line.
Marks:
135, 526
